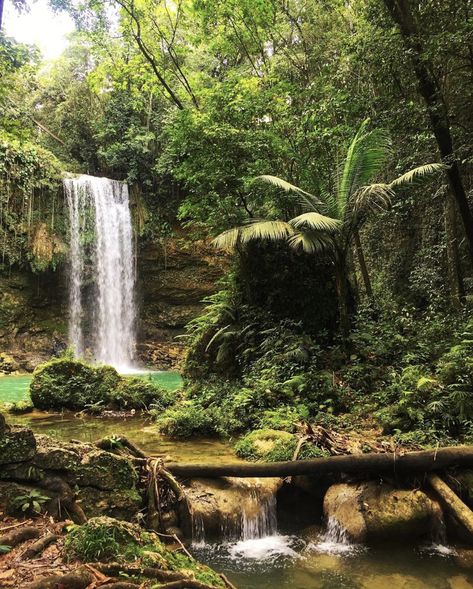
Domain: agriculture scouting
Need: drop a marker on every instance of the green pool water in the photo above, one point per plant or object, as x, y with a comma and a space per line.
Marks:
15, 388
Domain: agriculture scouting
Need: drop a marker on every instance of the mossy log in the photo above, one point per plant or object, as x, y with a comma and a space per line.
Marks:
397, 462
452, 503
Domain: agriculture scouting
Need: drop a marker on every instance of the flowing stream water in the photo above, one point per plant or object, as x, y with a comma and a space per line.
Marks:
101, 319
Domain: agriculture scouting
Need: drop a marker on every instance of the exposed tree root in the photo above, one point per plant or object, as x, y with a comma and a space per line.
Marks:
37, 548
66, 498
111, 445
18, 536
79, 579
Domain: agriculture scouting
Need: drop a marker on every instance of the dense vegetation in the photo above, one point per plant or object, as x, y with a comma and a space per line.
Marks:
291, 129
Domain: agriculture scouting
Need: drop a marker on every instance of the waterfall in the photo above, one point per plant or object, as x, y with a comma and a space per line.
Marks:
101, 252
255, 519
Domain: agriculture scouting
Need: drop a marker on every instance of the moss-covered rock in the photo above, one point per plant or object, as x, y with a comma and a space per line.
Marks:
122, 504
107, 539
104, 470
267, 444
17, 444
371, 511
85, 465
7, 364
63, 383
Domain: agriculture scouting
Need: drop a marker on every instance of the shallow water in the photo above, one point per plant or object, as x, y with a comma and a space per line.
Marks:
288, 561
141, 430
15, 387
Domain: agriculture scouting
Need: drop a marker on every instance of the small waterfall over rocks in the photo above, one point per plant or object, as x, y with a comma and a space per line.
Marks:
101, 252
232, 509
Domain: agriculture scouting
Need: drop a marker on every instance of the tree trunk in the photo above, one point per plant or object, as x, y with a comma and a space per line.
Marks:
457, 290
342, 295
422, 461
461, 512
363, 268
429, 88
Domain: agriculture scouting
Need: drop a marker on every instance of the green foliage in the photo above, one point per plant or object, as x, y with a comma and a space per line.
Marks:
20, 407
267, 444
107, 539
138, 393
30, 503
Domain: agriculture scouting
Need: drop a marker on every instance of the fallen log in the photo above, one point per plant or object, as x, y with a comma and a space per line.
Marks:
452, 503
18, 536
393, 462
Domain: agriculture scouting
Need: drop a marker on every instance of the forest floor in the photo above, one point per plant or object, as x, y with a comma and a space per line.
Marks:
15, 570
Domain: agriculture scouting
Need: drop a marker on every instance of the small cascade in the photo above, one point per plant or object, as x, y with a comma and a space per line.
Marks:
335, 540
261, 521
232, 510
101, 322
439, 544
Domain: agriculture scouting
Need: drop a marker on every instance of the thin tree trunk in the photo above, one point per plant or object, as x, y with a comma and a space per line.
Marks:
457, 291
342, 295
363, 268
429, 88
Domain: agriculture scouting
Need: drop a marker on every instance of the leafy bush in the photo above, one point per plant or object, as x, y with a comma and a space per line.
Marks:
267, 444
137, 393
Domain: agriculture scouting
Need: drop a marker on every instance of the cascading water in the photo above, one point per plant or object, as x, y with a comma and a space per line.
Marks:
101, 251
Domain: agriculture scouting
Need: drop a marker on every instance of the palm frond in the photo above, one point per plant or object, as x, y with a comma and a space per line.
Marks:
365, 157
315, 221
288, 187
228, 239
310, 242
254, 230
273, 230
417, 173
372, 197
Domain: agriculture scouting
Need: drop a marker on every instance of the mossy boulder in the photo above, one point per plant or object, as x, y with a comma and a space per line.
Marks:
85, 465
267, 444
8, 364
123, 504
64, 383
17, 444
104, 470
71, 384
372, 511
107, 539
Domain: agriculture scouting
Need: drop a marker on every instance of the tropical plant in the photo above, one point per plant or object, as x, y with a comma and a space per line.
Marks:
330, 222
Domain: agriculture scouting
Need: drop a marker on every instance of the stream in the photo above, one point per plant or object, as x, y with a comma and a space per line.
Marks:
307, 559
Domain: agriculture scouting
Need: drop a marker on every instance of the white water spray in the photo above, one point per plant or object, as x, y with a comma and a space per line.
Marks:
101, 237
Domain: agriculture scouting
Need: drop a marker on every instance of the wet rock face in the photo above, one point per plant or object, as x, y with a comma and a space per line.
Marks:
173, 279
371, 511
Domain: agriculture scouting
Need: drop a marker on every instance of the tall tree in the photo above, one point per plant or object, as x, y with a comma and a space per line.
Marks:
403, 15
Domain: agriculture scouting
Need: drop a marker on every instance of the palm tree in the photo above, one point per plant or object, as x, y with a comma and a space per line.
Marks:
331, 221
